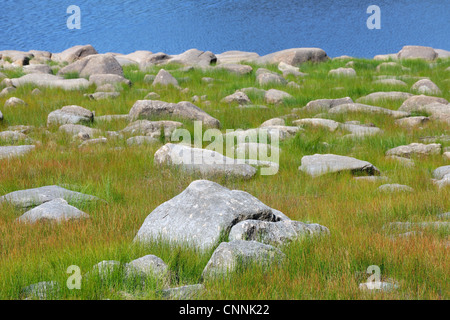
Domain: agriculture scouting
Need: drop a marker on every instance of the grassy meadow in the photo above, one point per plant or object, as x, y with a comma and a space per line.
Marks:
126, 177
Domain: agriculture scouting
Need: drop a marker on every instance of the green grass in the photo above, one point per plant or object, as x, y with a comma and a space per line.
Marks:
326, 268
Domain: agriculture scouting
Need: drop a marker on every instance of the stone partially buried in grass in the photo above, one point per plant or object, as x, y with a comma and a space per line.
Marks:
201, 214
206, 163
34, 197
14, 151
229, 256
56, 210
319, 164
415, 149
70, 115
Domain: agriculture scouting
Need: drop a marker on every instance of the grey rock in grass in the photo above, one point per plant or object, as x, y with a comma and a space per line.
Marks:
360, 130
51, 81
147, 266
331, 125
74, 129
152, 96
13, 137
55, 210
204, 162
417, 52
379, 96
384, 57
364, 108
251, 135
445, 215
153, 60
92, 142
270, 78
14, 102
107, 87
394, 187
93, 64
36, 92
239, 69
412, 122
237, 97
236, 57
1, 115
440, 172
254, 91
105, 269
189, 292
444, 182
275, 96
201, 214
41, 291
152, 128
326, 104
273, 233
21, 128
164, 78
343, 72
7, 91
37, 68
151, 108
391, 82
74, 53
319, 164
371, 178
273, 122
70, 115
426, 86
390, 65
416, 103
101, 79
112, 117
142, 140
294, 56
195, 58
37, 196
14, 151
103, 95
415, 149
229, 256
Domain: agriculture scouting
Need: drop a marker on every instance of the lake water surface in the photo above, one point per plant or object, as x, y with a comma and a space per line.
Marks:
262, 26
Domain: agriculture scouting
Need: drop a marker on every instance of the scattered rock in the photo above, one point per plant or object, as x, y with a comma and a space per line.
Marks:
417, 52
358, 107
75, 53
239, 69
319, 164
147, 266
394, 187
103, 95
294, 56
230, 255
41, 291
152, 128
238, 97
426, 86
201, 213
267, 78
164, 78
37, 68
326, 104
12, 137
391, 82
55, 210
275, 96
102, 79
48, 80
195, 58
14, 102
70, 115
345, 72
184, 109
412, 122
7, 91
440, 172
205, 162
415, 149
34, 197
94, 64
75, 129
315, 122
14, 151
236, 57
273, 122
378, 285
183, 293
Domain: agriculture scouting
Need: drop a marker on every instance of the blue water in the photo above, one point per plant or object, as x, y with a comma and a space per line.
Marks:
262, 26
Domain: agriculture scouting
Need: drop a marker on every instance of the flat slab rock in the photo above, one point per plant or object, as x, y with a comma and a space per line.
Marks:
56, 210
359, 107
205, 162
201, 213
183, 293
14, 151
418, 149
34, 197
394, 187
230, 255
320, 164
